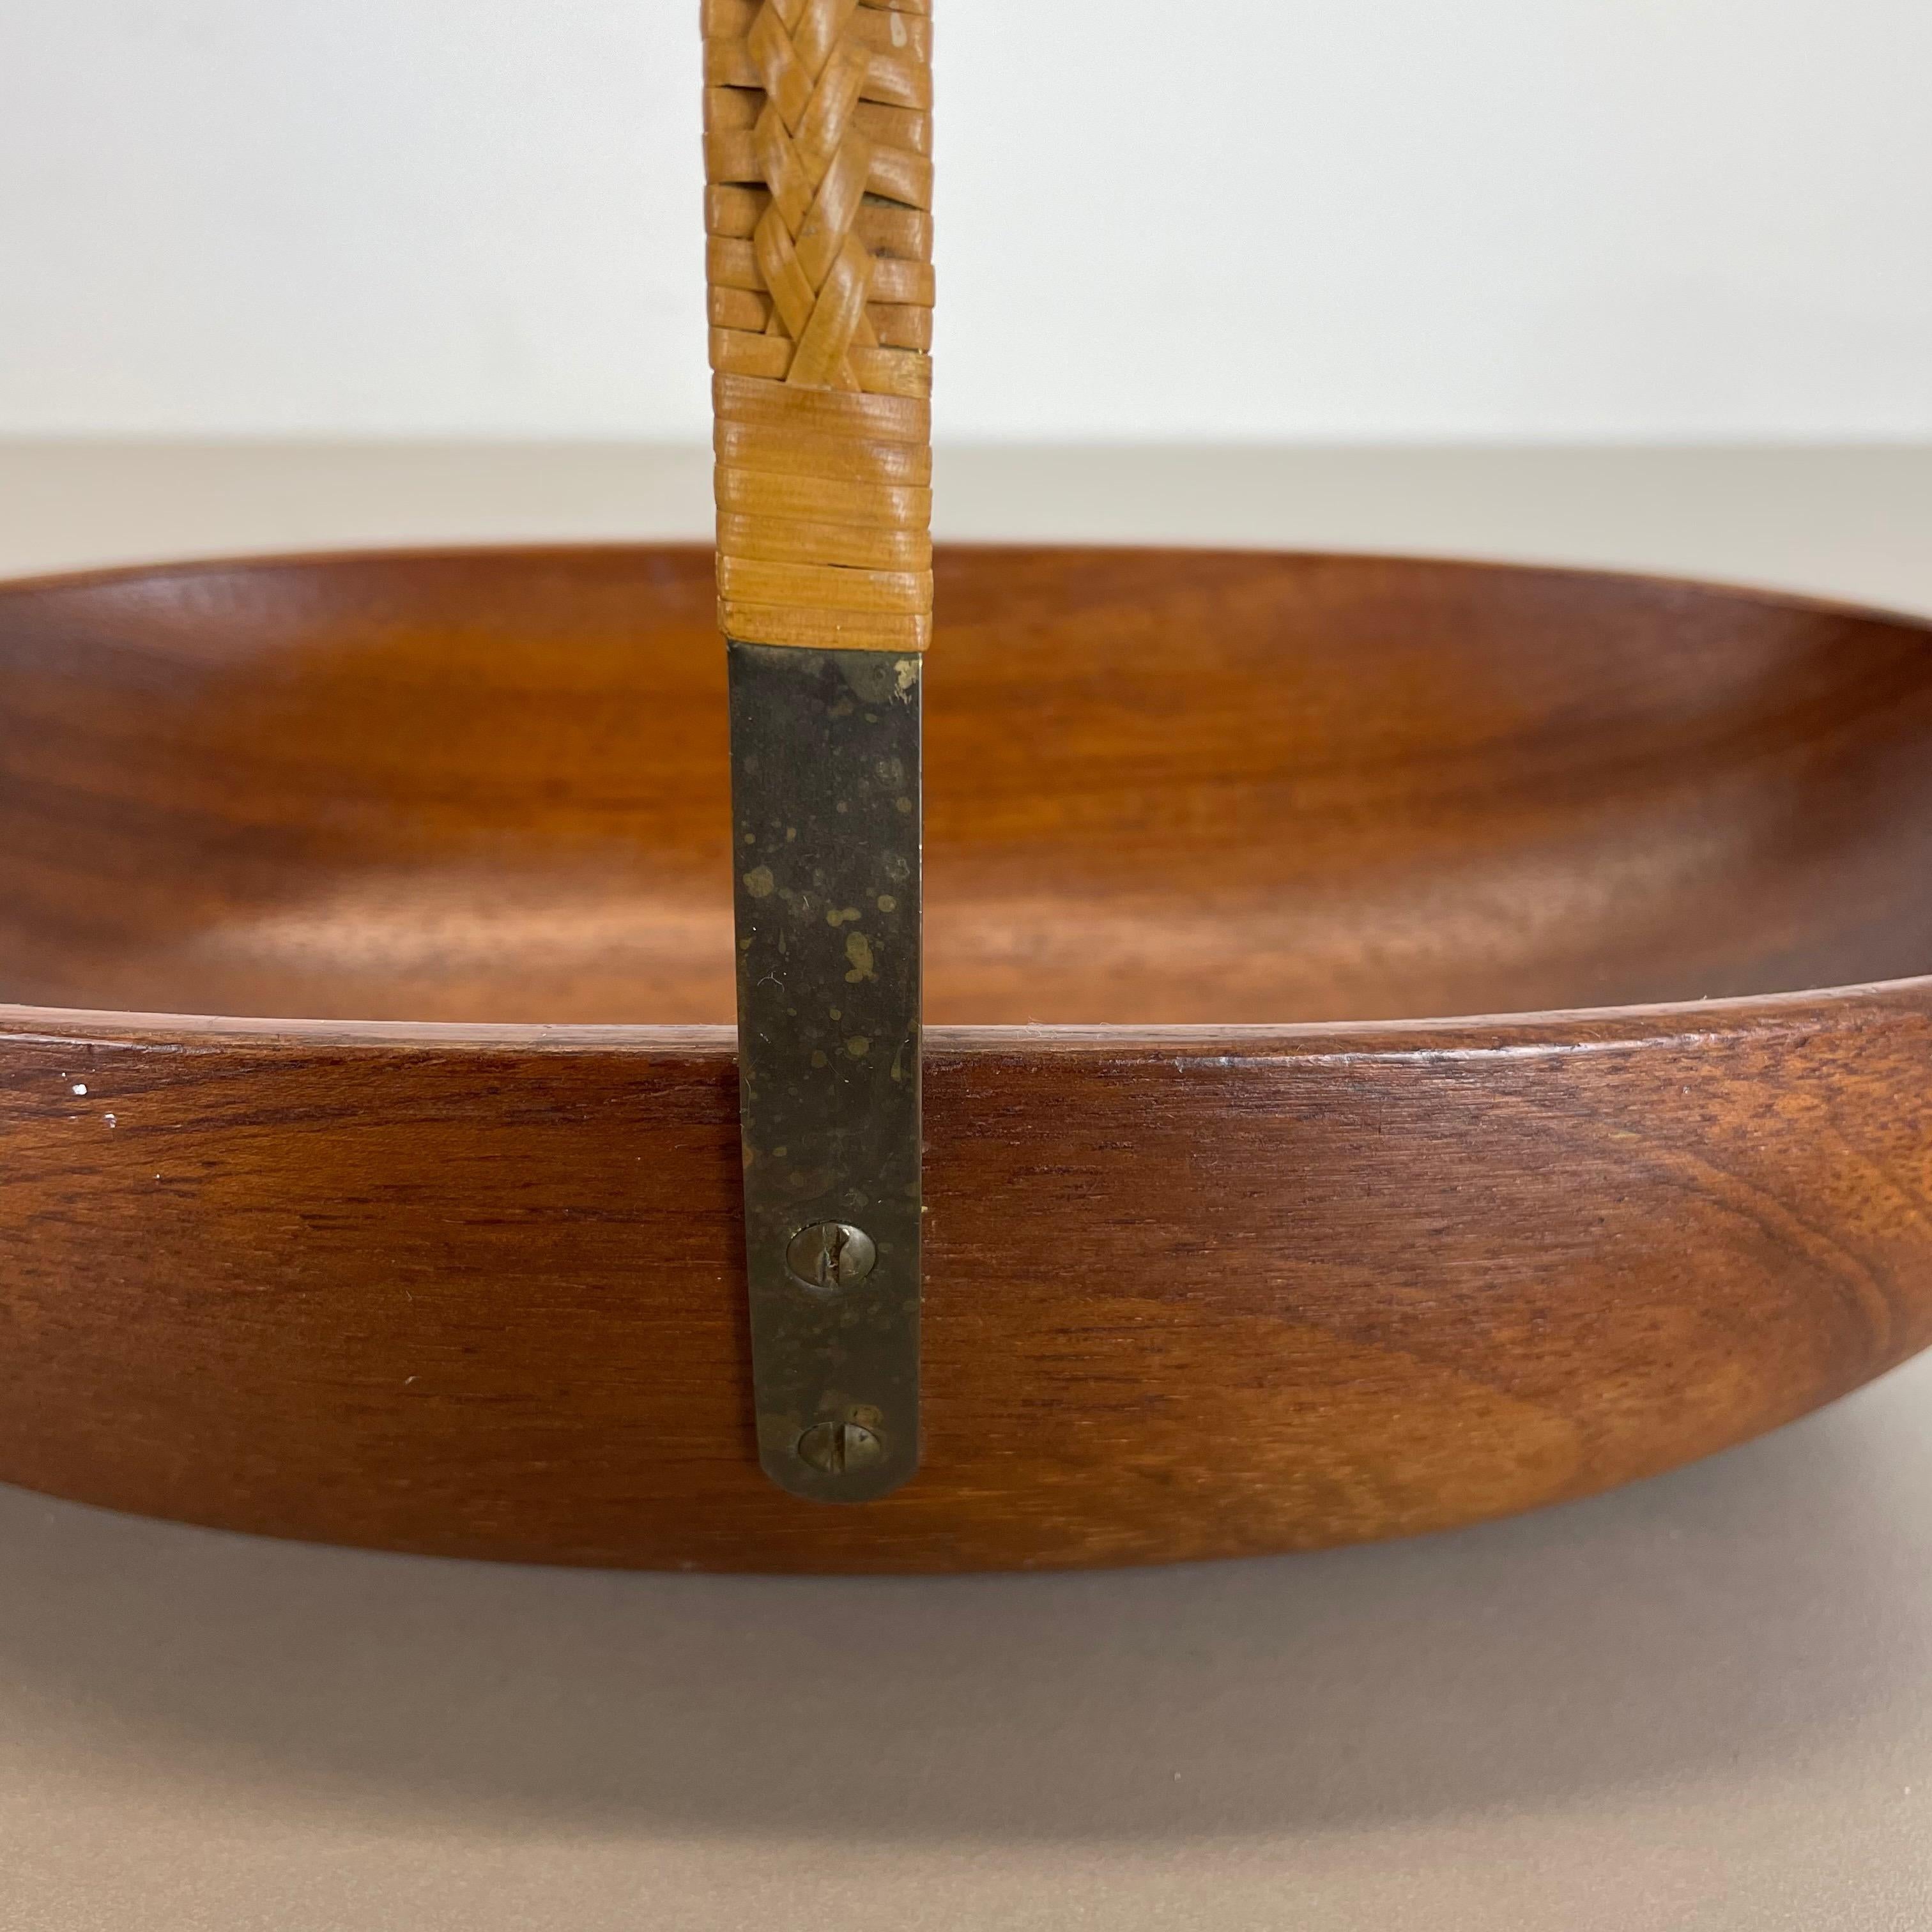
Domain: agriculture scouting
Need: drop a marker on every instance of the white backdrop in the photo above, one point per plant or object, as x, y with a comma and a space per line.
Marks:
1335, 219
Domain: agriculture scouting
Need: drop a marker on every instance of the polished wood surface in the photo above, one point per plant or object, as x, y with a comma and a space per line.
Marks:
1204, 1276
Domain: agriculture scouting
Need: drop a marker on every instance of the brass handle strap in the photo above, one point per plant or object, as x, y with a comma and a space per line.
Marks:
817, 154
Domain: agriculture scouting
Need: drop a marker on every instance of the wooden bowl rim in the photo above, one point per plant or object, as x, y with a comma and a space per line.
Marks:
1428, 1038
1564, 1030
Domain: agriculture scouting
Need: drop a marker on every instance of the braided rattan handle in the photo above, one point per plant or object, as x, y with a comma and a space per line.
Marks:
818, 152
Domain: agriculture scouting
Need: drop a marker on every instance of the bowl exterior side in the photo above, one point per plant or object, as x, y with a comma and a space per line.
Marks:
1190, 1295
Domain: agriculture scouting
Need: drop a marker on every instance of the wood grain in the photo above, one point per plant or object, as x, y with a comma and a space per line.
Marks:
1244, 1251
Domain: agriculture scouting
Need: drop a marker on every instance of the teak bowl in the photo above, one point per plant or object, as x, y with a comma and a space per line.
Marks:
1234, 1245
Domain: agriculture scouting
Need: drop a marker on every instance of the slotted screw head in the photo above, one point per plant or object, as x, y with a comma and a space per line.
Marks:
833, 1447
831, 1254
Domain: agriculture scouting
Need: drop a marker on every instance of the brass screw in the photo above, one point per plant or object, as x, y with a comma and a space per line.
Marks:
831, 1254
833, 1448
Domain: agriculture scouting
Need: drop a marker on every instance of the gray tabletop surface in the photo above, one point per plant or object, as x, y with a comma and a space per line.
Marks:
1704, 1702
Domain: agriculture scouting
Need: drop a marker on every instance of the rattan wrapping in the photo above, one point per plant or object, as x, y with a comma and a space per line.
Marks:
817, 150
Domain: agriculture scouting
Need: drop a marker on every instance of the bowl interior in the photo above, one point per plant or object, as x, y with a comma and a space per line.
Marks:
1162, 786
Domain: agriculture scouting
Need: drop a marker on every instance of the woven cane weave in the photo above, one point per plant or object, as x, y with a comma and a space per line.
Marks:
818, 148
